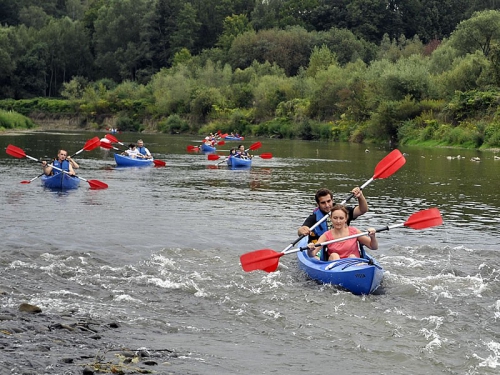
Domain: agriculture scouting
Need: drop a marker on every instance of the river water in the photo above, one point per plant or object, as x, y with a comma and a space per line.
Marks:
158, 252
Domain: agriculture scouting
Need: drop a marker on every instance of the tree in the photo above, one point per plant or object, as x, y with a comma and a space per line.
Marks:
233, 26
187, 29
121, 39
477, 33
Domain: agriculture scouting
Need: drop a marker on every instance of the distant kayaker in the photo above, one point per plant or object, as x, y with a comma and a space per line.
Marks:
63, 161
325, 202
343, 249
143, 150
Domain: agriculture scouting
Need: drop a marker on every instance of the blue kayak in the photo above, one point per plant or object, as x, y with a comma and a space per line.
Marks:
127, 161
207, 148
60, 181
233, 138
357, 275
234, 163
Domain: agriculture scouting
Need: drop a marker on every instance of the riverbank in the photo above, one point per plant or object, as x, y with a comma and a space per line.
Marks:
68, 343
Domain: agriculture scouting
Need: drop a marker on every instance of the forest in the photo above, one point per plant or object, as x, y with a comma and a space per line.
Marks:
403, 71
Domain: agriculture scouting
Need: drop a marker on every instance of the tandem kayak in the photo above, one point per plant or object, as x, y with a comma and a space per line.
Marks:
60, 181
234, 138
127, 161
206, 148
357, 275
234, 163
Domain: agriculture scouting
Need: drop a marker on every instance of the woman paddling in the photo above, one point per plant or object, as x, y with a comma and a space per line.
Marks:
343, 249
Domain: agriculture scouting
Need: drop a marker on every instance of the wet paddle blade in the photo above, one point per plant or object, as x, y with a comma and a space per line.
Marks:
192, 148
213, 157
15, 151
96, 184
92, 144
106, 145
266, 155
424, 219
221, 143
112, 138
389, 165
264, 259
25, 182
255, 146
159, 163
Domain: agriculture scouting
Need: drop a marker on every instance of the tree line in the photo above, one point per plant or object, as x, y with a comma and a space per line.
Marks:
350, 70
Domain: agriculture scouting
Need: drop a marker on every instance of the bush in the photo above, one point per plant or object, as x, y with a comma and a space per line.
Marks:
173, 125
11, 120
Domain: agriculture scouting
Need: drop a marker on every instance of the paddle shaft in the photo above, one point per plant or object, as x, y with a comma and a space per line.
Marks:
387, 227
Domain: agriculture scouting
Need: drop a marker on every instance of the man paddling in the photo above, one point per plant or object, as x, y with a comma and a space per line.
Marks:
143, 150
62, 162
325, 202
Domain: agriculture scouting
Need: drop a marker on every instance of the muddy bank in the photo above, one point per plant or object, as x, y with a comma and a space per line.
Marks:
33, 342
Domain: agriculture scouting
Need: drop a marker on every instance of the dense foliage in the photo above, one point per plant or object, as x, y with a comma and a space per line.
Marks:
358, 70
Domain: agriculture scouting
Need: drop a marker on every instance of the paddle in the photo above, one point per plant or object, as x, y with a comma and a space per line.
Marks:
89, 146
386, 167
268, 259
266, 155
113, 139
157, 163
19, 153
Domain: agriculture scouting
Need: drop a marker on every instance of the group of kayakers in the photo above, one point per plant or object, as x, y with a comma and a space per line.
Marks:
66, 163
336, 226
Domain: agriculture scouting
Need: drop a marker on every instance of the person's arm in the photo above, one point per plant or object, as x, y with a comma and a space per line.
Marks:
73, 163
148, 154
308, 223
71, 170
313, 249
369, 241
47, 168
362, 207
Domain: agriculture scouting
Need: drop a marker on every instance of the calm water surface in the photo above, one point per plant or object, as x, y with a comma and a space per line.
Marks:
159, 250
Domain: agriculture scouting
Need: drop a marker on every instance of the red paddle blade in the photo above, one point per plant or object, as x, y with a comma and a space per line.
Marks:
107, 145
15, 151
255, 146
112, 138
424, 219
221, 143
159, 163
25, 182
192, 148
389, 165
96, 184
266, 155
264, 259
92, 143
213, 157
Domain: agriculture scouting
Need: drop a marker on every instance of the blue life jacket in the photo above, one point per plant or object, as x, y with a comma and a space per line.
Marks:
142, 150
64, 166
323, 227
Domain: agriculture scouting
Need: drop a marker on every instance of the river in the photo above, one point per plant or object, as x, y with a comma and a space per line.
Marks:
158, 252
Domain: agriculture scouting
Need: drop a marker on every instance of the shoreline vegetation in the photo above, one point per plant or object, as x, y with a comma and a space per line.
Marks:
466, 135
